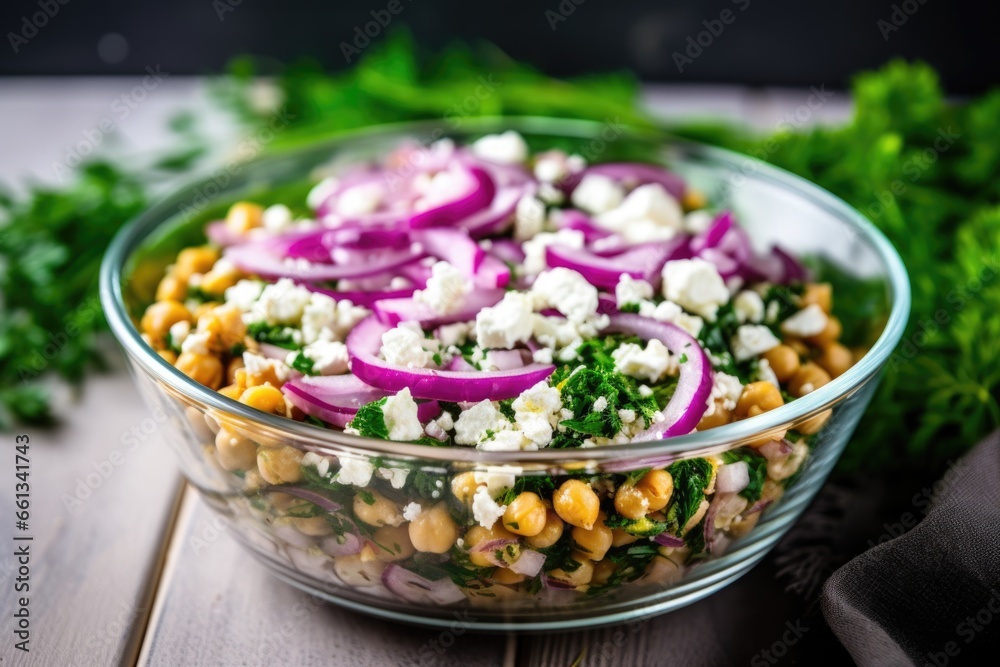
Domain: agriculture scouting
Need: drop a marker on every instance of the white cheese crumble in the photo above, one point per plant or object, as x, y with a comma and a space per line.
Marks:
244, 294
354, 471
726, 390
529, 217
321, 192
697, 222
453, 334
809, 321
597, 194
695, 285
497, 478
752, 340
280, 303
473, 424
537, 411
506, 441
400, 414
277, 219
630, 290
534, 248
649, 363
542, 355
567, 291
403, 346
359, 200
484, 509
506, 148
395, 476
748, 306
766, 374
668, 311
647, 213
507, 323
601, 404
179, 331
256, 364
197, 343
328, 357
446, 289
321, 463
411, 511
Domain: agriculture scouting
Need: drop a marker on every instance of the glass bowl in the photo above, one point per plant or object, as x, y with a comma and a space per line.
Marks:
305, 549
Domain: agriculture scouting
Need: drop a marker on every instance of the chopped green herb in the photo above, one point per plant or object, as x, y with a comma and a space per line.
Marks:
274, 334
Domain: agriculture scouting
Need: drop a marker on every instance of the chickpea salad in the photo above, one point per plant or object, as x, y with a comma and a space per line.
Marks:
486, 296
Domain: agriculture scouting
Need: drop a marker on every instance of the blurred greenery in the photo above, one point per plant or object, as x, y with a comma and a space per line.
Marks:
924, 169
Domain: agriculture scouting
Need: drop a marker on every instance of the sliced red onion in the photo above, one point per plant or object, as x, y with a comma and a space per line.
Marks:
458, 363
258, 258
220, 234
549, 582
732, 477
393, 311
574, 219
453, 246
642, 263
346, 544
316, 498
317, 246
758, 506
505, 360
364, 343
724, 264
529, 563
507, 251
631, 174
479, 194
269, 351
667, 540
775, 450
498, 215
792, 269
411, 587
489, 549
338, 413
712, 236
690, 399
492, 273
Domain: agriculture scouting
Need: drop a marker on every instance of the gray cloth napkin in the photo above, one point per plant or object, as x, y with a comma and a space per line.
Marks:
932, 595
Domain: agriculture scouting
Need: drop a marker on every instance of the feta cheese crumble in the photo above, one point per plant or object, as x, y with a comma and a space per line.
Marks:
567, 291
748, 306
506, 148
400, 414
446, 289
752, 340
649, 363
647, 213
631, 290
534, 248
485, 510
695, 285
328, 357
809, 321
474, 424
597, 194
354, 471
506, 324
403, 346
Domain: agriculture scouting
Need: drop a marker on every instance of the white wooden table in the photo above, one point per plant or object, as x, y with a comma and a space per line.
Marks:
127, 565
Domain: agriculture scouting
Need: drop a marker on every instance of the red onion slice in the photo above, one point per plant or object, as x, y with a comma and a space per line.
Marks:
453, 246
642, 263
413, 588
479, 194
690, 399
393, 311
346, 544
489, 549
529, 563
220, 234
364, 343
631, 174
732, 477
667, 540
316, 498
712, 236
258, 258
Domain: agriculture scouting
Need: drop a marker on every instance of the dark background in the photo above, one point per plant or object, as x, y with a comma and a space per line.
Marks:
776, 42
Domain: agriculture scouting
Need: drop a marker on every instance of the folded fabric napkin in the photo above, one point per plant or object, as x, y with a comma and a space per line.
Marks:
932, 595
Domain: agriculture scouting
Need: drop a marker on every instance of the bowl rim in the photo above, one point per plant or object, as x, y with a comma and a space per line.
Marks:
135, 232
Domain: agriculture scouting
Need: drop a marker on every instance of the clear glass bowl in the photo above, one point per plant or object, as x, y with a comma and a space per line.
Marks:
771, 204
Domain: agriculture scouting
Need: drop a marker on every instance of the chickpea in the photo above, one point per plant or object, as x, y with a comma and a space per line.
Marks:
693, 199
235, 364
314, 526
235, 451
581, 576
809, 378
217, 282
244, 216
744, 524
463, 487
719, 417
194, 260
814, 424
380, 512
434, 531
657, 486
798, 347
355, 571
478, 534
630, 502
525, 515
835, 359
820, 294
602, 572
168, 355
784, 361
830, 333
162, 315
233, 391
758, 398
225, 325
280, 465
171, 288
596, 541
507, 577
576, 503
264, 398
394, 543
203, 368
620, 538
699, 514
550, 533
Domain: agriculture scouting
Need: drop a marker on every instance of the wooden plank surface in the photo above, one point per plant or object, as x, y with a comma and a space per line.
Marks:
102, 499
218, 606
